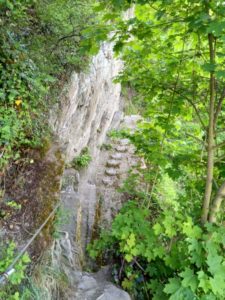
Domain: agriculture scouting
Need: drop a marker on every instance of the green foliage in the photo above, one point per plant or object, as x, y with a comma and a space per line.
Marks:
13, 205
57, 45
62, 217
11, 291
82, 160
161, 248
117, 134
39, 43
22, 89
169, 250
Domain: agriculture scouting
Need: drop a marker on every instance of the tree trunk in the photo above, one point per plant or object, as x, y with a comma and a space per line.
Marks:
210, 150
217, 203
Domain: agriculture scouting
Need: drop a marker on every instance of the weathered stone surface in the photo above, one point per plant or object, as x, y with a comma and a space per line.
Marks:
117, 156
87, 283
111, 172
131, 121
89, 104
121, 148
113, 163
96, 286
124, 142
88, 109
108, 181
70, 180
111, 292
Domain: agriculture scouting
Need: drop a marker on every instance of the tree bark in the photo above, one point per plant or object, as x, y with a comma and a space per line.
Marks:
210, 150
217, 204
219, 107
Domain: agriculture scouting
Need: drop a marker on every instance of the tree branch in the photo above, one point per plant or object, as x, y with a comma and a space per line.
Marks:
219, 145
195, 108
197, 139
219, 159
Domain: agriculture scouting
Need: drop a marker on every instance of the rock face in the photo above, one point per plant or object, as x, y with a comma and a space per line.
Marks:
89, 109
96, 287
90, 200
89, 105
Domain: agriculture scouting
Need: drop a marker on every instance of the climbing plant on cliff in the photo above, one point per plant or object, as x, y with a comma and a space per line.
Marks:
170, 240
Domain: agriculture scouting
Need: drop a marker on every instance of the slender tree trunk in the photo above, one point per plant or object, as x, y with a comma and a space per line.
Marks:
210, 158
217, 203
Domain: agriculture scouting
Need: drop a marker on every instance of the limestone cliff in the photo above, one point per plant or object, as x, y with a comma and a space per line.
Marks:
88, 104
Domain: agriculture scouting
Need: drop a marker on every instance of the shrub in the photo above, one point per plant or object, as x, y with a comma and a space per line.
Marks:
160, 251
11, 291
82, 160
39, 44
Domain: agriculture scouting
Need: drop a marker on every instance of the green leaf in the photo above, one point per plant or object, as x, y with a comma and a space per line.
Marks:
128, 257
191, 230
158, 229
26, 258
203, 281
189, 279
173, 286
131, 240
159, 251
214, 263
216, 27
208, 297
220, 74
196, 252
209, 67
218, 284
183, 294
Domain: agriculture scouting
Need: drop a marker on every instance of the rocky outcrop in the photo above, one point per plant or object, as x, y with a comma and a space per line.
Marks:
89, 105
88, 109
97, 287
90, 200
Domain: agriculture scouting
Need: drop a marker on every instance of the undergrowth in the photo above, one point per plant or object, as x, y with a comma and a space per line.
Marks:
39, 47
82, 160
13, 289
158, 250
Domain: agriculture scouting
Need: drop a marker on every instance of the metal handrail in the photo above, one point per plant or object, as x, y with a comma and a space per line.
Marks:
10, 270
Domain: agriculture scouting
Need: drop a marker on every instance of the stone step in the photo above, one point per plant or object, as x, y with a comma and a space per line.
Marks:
113, 163
108, 181
117, 156
111, 172
124, 142
121, 149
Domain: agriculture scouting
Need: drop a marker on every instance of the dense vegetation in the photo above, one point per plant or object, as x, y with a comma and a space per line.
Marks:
39, 47
168, 240
39, 44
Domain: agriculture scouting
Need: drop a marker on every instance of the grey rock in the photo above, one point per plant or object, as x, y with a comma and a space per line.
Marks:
131, 121
121, 148
108, 181
124, 142
87, 283
118, 115
70, 180
117, 156
89, 104
111, 292
111, 172
113, 163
